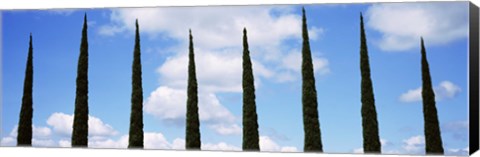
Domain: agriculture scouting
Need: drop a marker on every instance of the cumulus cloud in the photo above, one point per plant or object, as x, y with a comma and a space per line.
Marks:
269, 145
62, 123
220, 146
64, 143
402, 24
226, 129
414, 144
445, 90
412, 95
217, 36
40, 137
358, 151
170, 104
216, 26
8, 141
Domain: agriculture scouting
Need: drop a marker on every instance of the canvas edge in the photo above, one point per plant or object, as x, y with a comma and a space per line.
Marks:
473, 78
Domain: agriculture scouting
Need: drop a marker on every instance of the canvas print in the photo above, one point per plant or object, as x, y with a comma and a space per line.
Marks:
373, 78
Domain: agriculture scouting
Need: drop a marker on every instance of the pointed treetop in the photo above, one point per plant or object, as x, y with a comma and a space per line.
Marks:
361, 16
136, 22
303, 10
421, 39
30, 37
85, 20
190, 34
244, 30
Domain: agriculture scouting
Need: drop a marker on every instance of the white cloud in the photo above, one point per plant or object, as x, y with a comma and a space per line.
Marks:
445, 90
62, 123
402, 24
152, 140
358, 151
178, 144
64, 143
218, 27
217, 37
211, 76
268, 145
414, 144
43, 143
227, 129
289, 149
156, 141
96, 127
293, 61
170, 104
412, 95
9, 141
385, 142
220, 146
122, 142
40, 137
41, 132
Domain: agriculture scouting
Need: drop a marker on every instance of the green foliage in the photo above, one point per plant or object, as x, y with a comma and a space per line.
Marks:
135, 138
433, 140
80, 119
192, 140
371, 140
24, 137
250, 124
311, 125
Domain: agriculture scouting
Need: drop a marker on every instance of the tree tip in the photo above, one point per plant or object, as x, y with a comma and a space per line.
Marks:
244, 30
303, 9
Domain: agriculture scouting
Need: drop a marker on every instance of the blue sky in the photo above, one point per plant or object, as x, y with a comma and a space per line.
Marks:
274, 33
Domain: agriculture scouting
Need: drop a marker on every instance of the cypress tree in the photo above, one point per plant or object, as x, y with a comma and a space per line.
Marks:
433, 140
135, 139
80, 119
24, 137
311, 125
371, 140
192, 140
250, 124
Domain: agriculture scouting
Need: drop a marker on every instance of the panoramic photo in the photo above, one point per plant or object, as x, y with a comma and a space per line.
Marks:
373, 78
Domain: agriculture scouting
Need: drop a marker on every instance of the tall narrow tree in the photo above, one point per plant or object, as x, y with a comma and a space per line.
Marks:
135, 138
192, 140
311, 125
24, 137
433, 140
250, 124
80, 119
371, 140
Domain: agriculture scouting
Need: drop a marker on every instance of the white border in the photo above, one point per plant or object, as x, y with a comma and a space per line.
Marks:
73, 152
49, 4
